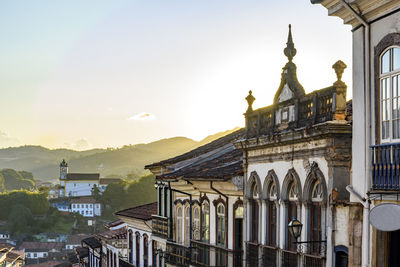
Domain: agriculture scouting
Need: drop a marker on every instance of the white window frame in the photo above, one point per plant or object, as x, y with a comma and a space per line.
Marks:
390, 75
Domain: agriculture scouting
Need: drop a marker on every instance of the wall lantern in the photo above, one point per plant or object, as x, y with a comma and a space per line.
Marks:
295, 227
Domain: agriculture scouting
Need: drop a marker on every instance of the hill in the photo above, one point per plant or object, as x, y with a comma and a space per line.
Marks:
44, 162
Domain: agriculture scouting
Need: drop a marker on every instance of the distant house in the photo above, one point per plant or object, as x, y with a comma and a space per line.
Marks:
4, 235
114, 245
94, 248
86, 206
74, 241
38, 252
81, 184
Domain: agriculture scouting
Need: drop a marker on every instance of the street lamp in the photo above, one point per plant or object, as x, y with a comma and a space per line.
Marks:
295, 227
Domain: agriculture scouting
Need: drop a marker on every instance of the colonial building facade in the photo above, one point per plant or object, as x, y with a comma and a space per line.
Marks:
199, 220
376, 90
297, 164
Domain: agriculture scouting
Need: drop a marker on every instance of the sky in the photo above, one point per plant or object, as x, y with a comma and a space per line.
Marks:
99, 73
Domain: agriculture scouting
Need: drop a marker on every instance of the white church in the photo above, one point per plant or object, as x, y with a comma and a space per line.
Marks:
81, 184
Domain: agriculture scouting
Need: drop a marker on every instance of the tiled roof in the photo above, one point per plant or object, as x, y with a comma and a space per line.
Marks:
76, 239
202, 150
224, 167
114, 223
83, 200
81, 252
92, 242
349, 110
14, 255
114, 234
83, 176
46, 264
42, 245
142, 212
110, 180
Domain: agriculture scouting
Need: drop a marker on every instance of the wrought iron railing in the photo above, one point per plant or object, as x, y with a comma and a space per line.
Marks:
202, 252
313, 261
124, 263
289, 258
316, 107
252, 251
177, 254
160, 226
386, 166
269, 256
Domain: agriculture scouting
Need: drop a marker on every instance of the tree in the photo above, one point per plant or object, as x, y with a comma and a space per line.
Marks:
96, 192
20, 218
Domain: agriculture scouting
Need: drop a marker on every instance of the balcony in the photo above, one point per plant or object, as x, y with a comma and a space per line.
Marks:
177, 254
317, 107
123, 263
160, 226
269, 256
252, 251
202, 254
385, 167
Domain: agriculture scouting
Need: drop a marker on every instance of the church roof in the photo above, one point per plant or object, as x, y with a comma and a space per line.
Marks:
83, 176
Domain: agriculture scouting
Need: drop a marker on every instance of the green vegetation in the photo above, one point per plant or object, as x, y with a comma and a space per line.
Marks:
15, 180
128, 160
29, 213
128, 194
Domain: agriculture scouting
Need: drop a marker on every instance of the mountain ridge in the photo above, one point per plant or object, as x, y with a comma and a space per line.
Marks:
110, 162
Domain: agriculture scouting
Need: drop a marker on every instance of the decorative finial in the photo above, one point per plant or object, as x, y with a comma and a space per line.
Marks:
339, 67
290, 51
250, 100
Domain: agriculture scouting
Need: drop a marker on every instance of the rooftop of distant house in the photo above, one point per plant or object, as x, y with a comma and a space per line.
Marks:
83, 200
81, 252
76, 239
142, 212
107, 181
41, 246
114, 224
114, 234
92, 242
46, 264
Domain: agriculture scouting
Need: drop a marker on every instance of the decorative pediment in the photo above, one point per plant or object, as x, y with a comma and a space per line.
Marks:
286, 94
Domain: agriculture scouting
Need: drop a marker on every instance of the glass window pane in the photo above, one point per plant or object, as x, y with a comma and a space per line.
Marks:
385, 62
396, 58
395, 129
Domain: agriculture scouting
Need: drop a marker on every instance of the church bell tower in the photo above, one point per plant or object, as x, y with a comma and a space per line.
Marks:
63, 170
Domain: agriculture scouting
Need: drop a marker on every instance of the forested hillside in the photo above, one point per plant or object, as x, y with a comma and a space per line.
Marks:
131, 159
15, 180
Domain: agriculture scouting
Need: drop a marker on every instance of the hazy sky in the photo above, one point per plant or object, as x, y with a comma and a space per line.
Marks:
99, 73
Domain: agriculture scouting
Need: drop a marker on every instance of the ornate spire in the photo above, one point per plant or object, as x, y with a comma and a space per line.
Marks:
250, 100
289, 87
290, 51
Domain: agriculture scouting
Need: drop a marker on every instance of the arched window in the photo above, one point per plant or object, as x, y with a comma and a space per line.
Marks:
272, 217
137, 249
187, 225
130, 246
254, 213
389, 83
205, 221
291, 213
315, 233
221, 221
179, 224
145, 251
196, 223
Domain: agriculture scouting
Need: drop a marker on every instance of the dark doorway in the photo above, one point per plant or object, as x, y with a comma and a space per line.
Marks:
341, 256
393, 249
238, 241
